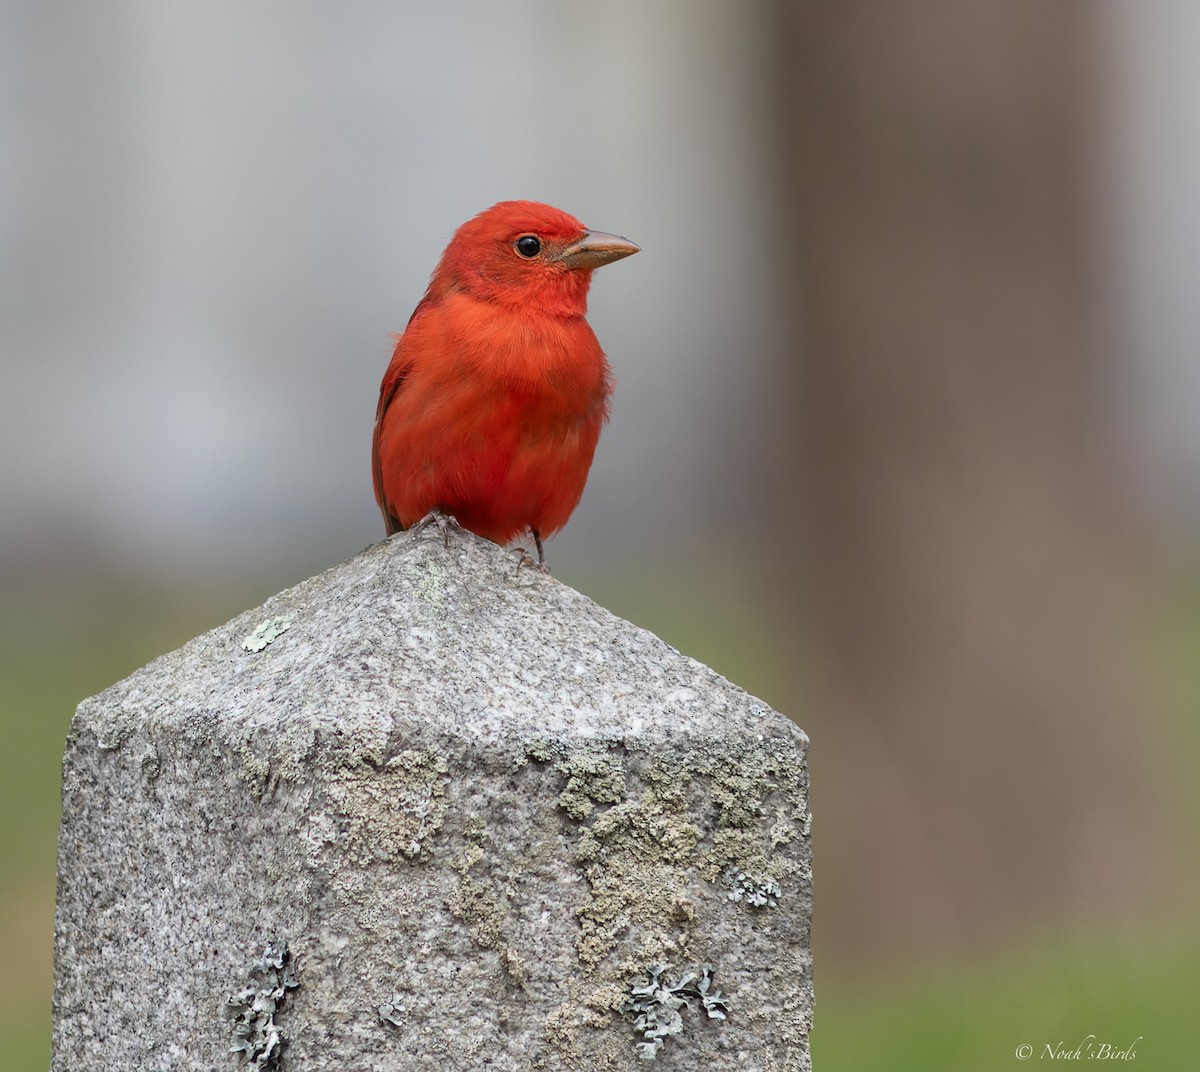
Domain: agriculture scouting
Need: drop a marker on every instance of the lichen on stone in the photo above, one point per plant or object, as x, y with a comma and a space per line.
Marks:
654, 834
657, 1005
475, 903
594, 773
483, 899
394, 808
431, 583
393, 1011
756, 892
267, 633
741, 789
252, 1010
635, 857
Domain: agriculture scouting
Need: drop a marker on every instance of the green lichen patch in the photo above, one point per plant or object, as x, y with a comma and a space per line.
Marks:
647, 829
394, 808
483, 900
562, 1031
761, 797
267, 633
741, 789
739, 849
695, 816
594, 773
476, 904
636, 857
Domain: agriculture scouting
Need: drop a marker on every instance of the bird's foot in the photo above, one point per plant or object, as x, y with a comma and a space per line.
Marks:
527, 560
444, 523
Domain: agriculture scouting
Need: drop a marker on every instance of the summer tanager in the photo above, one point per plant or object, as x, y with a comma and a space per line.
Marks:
491, 407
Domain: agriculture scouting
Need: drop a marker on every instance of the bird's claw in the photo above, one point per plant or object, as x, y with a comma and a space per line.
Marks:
444, 522
526, 559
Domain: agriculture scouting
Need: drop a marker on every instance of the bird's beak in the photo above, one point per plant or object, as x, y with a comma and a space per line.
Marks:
596, 248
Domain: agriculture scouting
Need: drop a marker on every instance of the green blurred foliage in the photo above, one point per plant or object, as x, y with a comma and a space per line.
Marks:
968, 1017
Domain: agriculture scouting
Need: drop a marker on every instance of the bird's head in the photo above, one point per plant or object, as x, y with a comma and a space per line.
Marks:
526, 254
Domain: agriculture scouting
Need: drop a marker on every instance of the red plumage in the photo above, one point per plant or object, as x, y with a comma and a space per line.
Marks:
492, 405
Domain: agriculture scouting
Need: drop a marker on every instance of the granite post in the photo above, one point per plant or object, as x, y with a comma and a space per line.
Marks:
424, 811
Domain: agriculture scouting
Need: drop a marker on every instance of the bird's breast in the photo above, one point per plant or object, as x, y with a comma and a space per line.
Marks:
558, 359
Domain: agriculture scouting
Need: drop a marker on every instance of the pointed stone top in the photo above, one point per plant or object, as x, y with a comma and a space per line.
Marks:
412, 638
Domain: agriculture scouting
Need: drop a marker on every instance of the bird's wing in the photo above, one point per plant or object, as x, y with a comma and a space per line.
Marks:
397, 373
393, 381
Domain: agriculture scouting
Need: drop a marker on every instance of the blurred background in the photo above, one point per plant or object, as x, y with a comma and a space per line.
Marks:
904, 438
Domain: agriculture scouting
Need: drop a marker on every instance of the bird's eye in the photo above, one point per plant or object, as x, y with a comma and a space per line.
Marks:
529, 245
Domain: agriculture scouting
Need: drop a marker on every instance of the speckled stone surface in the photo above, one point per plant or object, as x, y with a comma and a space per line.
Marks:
473, 806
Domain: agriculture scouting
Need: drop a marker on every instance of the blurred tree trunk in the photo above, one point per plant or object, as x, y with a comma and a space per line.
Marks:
957, 503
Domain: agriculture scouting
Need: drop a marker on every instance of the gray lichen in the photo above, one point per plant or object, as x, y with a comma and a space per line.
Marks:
252, 1010
756, 892
393, 1011
657, 1006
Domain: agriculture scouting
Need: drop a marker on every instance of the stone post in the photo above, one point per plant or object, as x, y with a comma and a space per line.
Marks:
424, 811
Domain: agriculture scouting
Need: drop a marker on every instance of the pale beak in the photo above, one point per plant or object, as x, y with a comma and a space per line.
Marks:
596, 248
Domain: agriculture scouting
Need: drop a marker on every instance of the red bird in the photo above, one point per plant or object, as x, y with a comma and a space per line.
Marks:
491, 407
